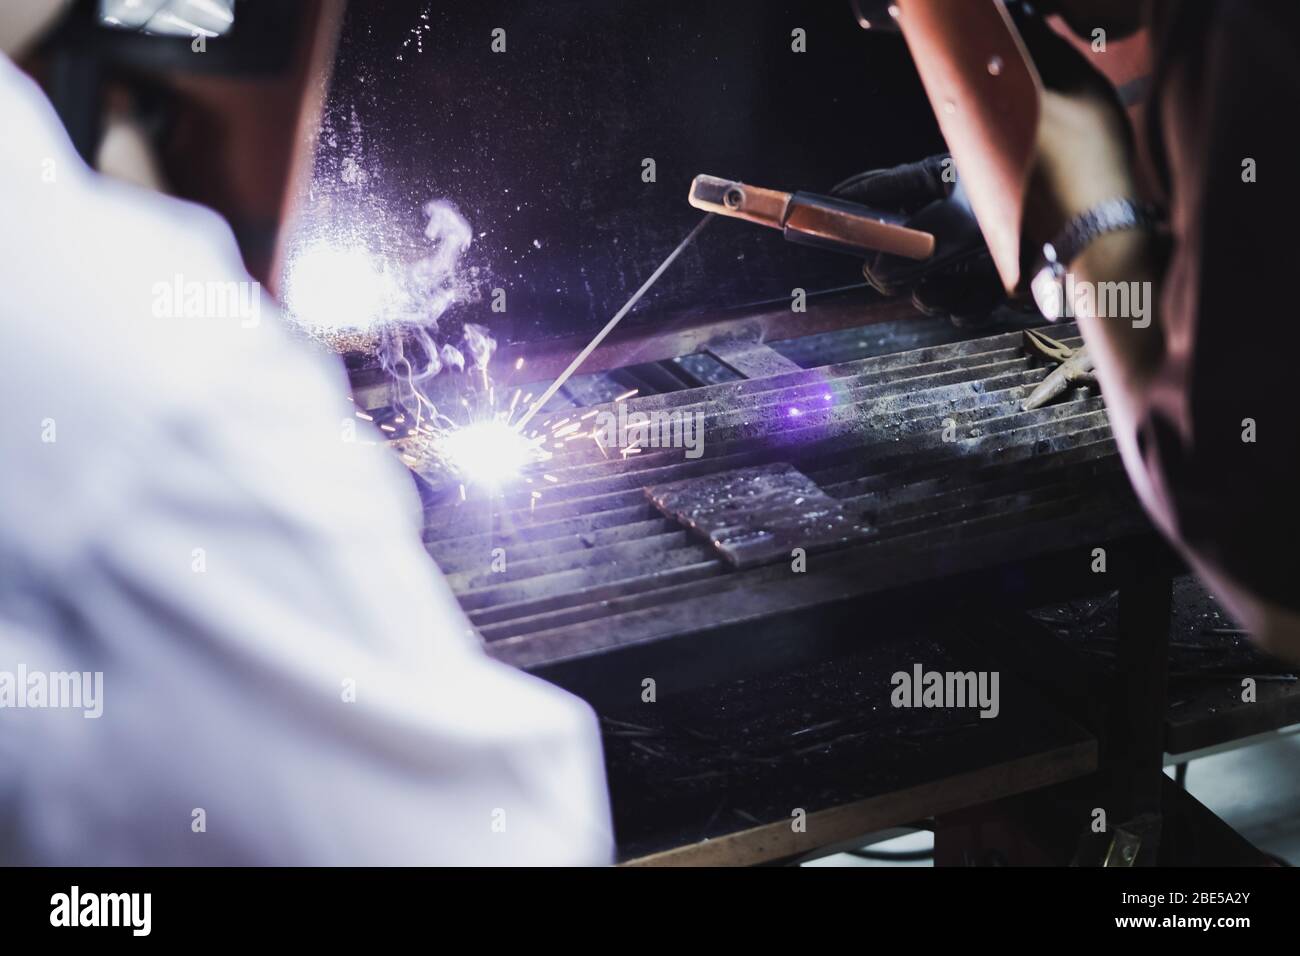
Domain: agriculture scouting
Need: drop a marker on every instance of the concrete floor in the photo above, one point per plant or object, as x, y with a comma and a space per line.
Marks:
1255, 787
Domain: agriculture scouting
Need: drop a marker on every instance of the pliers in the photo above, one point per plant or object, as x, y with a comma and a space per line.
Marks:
1075, 368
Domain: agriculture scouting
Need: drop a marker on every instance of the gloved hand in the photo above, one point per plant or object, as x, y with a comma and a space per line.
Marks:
959, 280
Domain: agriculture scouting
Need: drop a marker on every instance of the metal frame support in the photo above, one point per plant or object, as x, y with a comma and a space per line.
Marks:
1133, 751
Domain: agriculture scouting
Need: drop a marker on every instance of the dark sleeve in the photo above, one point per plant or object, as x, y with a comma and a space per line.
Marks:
1221, 431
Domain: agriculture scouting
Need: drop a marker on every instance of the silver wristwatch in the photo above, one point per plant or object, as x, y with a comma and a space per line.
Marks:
1112, 215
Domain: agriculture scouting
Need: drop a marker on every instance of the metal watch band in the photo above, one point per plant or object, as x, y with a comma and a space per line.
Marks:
1111, 215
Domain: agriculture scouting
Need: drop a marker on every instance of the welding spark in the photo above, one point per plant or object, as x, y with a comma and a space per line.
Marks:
459, 435
463, 436
484, 444
487, 453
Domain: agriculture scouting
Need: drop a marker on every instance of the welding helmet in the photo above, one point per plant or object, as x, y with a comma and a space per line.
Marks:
985, 91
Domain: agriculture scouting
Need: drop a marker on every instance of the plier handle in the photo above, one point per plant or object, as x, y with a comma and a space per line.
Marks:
1074, 368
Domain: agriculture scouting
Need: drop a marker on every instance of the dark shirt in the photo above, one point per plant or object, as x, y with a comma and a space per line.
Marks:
1226, 89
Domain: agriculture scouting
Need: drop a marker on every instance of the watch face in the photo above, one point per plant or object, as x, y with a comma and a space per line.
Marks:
1047, 292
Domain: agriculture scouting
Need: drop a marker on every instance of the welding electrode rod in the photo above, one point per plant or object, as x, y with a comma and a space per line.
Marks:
609, 326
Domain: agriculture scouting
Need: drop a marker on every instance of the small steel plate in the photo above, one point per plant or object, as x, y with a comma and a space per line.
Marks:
755, 516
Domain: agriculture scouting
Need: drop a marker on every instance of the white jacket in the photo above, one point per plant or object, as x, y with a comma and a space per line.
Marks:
287, 679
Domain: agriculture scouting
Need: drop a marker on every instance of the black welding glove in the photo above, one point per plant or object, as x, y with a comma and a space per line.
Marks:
959, 280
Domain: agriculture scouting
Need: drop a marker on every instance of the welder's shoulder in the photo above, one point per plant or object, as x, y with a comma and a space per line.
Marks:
131, 334
130, 306
140, 299
91, 267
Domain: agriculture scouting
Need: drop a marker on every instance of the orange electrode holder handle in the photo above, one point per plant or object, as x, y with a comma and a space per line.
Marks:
812, 220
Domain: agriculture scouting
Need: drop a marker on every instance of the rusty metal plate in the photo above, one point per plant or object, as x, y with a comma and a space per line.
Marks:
755, 516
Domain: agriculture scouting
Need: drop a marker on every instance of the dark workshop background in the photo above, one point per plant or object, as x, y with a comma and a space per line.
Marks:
541, 147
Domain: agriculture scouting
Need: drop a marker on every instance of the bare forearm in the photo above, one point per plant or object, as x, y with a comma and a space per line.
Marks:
1126, 350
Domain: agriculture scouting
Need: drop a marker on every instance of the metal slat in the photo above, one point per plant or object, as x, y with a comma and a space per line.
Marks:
893, 457
471, 556
859, 437
754, 595
930, 447
621, 554
805, 384
944, 525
